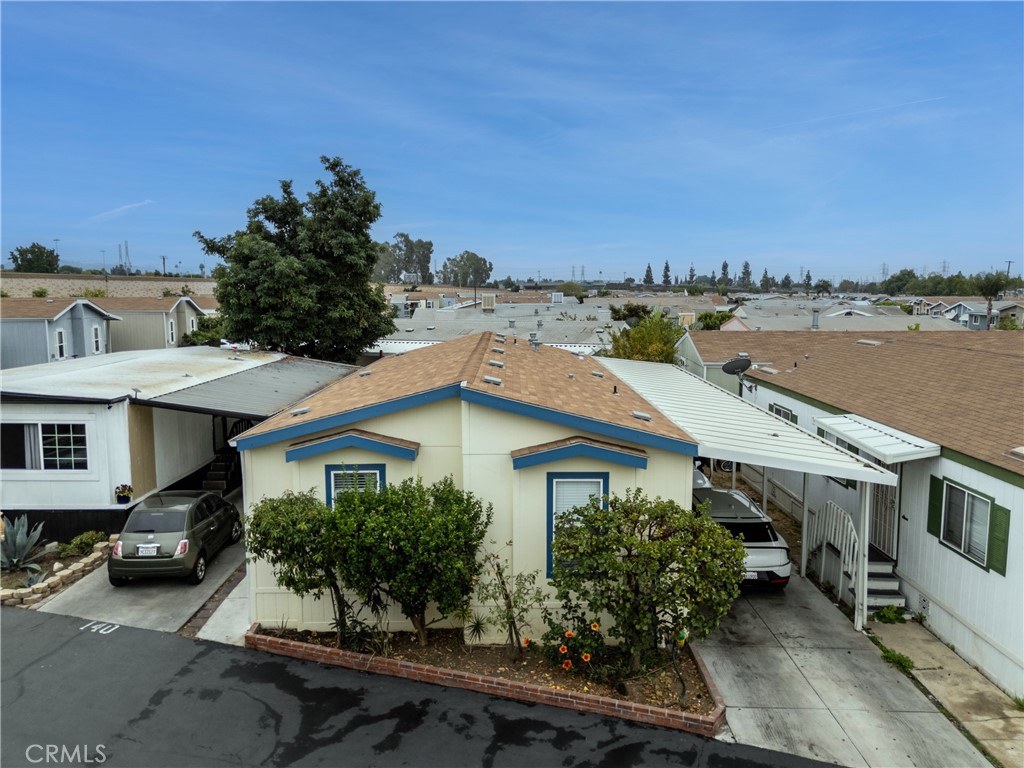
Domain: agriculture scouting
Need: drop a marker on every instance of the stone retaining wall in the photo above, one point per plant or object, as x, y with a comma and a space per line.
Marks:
21, 284
703, 725
27, 597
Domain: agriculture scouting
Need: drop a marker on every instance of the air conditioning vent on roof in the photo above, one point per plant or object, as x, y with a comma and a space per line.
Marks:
869, 343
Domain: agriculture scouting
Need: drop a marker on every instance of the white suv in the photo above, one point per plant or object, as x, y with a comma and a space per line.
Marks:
767, 563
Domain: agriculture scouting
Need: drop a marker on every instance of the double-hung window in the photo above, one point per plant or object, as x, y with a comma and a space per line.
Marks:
965, 522
568, 490
44, 446
96, 339
61, 347
783, 412
361, 477
170, 328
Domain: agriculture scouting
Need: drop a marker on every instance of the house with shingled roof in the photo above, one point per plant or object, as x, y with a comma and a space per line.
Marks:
532, 429
151, 322
945, 413
41, 330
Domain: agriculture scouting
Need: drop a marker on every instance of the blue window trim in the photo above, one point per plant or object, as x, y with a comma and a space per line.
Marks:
551, 478
350, 441
577, 450
330, 469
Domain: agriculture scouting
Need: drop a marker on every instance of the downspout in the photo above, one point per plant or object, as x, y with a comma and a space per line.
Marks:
803, 532
861, 607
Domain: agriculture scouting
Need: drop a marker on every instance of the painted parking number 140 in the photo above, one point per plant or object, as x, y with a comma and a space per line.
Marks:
99, 626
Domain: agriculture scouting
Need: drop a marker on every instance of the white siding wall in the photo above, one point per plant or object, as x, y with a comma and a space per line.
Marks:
109, 461
979, 612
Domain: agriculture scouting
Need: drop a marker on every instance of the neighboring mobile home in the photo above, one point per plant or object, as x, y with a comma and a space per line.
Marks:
151, 323
34, 331
946, 413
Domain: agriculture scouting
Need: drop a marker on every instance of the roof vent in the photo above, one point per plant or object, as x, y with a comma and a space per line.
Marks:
512, 323
498, 350
571, 376
365, 373
641, 415
768, 369
409, 330
1018, 452
533, 335
597, 373
492, 380
431, 327
300, 411
496, 363
499, 338
869, 343
540, 324
535, 345
744, 355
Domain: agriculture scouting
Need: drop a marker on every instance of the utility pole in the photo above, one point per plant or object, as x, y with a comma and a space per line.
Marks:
56, 242
1009, 262
164, 259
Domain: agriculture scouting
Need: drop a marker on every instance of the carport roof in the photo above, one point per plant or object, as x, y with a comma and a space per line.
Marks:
727, 427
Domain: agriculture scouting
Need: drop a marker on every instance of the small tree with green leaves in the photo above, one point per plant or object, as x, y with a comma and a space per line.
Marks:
712, 321
655, 567
417, 546
654, 339
512, 597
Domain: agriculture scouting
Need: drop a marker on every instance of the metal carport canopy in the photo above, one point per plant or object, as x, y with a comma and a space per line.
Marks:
727, 427
883, 442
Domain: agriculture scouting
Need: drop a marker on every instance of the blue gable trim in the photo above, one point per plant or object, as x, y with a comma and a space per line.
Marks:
580, 449
349, 417
552, 476
350, 441
675, 445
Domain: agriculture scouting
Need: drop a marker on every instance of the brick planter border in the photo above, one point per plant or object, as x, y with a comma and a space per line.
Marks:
703, 725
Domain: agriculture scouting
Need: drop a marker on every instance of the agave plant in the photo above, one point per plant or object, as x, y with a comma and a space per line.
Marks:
19, 541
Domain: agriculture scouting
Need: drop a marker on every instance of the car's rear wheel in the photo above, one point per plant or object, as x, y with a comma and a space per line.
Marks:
198, 570
236, 531
117, 581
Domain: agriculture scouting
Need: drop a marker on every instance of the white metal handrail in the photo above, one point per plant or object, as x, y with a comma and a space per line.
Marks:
833, 525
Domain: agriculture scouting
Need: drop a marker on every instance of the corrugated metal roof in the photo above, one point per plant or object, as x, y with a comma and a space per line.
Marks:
727, 427
259, 392
883, 442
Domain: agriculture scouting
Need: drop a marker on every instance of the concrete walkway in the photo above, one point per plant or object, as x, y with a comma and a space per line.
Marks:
797, 678
989, 714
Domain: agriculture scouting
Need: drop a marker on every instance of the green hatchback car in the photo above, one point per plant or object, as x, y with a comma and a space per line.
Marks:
173, 533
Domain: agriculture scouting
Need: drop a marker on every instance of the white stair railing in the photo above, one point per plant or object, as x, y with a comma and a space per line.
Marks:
833, 525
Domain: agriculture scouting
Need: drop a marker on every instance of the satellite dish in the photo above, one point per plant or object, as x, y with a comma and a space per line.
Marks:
736, 366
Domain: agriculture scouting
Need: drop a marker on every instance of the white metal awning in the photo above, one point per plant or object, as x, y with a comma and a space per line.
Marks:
727, 427
883, 442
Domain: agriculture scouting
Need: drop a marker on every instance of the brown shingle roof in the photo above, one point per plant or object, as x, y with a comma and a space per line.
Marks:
962, 391
35, 309
548, 378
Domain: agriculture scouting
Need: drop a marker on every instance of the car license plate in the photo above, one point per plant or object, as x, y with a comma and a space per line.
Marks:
750, 575
147, 550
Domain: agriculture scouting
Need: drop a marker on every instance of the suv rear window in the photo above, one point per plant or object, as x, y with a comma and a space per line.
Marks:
753, 533
156, 521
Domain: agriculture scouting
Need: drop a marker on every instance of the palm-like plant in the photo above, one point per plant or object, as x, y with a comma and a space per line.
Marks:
18, 544
990, 286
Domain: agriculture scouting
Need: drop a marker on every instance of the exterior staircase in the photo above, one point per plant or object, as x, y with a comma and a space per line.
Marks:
883, 584
220, 473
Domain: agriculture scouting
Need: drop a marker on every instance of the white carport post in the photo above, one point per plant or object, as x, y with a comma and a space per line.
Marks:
861, 603
803, 529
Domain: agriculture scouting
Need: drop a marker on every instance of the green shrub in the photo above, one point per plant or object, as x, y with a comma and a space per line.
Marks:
82, 544
903, 663
16, 553
890, 614
40, 292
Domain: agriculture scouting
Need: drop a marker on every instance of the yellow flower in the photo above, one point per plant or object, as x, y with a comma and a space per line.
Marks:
563, 649
586, 657
595, 626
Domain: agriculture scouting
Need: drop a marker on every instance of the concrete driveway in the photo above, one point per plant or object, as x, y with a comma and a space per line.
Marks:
161, 604
797, 678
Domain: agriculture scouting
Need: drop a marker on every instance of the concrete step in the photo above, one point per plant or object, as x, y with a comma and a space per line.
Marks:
883, 583
881, 598
215, 485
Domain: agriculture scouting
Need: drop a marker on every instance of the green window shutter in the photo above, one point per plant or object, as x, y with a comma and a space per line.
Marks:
998, 538
935, 507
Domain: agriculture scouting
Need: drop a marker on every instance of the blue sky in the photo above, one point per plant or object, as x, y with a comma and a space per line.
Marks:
834, 137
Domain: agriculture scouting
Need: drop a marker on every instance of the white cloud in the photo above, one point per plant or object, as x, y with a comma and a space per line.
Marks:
114, 213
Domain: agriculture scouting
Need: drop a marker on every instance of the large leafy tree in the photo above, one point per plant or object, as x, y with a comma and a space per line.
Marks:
654, 338
35, 258
297, 278
655, 567
412, 256
466, 269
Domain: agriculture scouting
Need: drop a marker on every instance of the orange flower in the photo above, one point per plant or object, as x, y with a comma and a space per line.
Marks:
563, 649
595, 626
586, 657
567, 665
526, 642
568, 633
